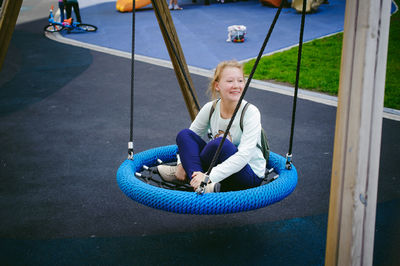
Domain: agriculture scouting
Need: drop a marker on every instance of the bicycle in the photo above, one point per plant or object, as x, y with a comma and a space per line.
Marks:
68, 24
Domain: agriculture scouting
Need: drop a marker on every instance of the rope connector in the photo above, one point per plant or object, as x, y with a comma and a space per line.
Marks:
202, 188
130, 150
209, 134
288, 161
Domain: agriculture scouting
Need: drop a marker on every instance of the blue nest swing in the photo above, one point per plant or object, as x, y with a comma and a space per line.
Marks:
193, 203
211, 203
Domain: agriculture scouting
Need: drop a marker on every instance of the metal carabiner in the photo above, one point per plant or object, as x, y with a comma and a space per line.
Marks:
288, 161
130, 150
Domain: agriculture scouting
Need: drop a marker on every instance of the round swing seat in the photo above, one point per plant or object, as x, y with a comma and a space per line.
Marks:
192, 203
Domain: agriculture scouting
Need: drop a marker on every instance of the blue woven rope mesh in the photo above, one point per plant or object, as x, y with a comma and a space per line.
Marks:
193, 203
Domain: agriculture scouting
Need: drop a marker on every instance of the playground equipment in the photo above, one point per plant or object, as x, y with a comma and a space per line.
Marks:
127, 5
352, 211
311, 5
197, 202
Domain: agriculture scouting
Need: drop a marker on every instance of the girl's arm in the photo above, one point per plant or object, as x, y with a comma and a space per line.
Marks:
201, 123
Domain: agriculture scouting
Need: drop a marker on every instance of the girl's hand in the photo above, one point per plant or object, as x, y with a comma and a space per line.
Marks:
197, 178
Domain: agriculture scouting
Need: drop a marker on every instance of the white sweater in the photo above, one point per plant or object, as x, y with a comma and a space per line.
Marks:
246, 141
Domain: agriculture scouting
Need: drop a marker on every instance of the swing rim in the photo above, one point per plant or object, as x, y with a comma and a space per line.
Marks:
192, 203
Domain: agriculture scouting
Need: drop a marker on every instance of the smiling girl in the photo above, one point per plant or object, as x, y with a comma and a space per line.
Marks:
241, 164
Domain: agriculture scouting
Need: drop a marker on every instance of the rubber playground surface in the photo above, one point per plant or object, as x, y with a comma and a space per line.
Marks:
202, 30
64, 129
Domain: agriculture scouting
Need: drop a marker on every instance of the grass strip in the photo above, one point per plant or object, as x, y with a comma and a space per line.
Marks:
320, 65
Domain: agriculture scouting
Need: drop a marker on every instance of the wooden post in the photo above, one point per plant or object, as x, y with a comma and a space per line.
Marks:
165, 18
355, 169
8, 18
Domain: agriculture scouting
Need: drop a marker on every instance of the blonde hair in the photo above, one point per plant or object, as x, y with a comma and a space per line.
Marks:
217, 76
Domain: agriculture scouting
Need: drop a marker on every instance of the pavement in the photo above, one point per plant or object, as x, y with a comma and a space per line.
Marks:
64, 128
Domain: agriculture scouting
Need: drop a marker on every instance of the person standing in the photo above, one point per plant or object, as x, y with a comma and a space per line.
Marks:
62, 10
69, 4
173, 5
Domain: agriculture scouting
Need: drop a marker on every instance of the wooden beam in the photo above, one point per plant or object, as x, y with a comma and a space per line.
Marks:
164, 18
355, 168
8, 18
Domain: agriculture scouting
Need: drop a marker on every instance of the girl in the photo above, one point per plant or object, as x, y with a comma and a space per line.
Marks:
241, 164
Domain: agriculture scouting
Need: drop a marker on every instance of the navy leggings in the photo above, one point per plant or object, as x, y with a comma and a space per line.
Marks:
62, 11
196, 155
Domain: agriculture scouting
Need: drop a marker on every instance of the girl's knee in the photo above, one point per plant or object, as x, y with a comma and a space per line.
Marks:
213, 144
227, 145
218, 140
183, 134
187, 135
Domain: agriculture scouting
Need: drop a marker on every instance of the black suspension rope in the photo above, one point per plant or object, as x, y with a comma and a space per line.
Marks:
130, 144
157, 10
296, 87
289, 155
216, 155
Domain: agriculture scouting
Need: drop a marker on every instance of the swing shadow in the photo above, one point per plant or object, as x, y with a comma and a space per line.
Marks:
37, 69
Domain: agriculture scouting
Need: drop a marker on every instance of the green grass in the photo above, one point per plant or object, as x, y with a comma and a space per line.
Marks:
392, 90
320, 65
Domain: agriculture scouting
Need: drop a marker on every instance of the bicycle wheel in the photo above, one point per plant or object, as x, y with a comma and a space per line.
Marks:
86, 27
53, 28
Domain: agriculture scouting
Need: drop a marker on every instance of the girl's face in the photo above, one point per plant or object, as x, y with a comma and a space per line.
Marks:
231, 84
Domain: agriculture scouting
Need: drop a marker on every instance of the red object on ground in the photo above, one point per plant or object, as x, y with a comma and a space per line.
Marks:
275, 3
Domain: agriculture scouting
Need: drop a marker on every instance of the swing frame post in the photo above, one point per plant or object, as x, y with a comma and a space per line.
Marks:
169, 31
8, 19
355, 167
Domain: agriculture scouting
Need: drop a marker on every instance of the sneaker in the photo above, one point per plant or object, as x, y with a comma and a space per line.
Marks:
212, 187
170, 7
167, 173
177, 7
